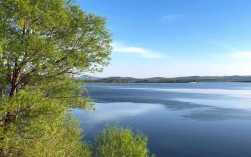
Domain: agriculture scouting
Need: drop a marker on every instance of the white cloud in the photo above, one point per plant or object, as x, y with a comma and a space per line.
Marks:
244, 55
142, 52
231, 61
175, 68
231, 52
170, 18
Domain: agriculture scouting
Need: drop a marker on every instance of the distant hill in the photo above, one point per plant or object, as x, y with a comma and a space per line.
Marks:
87, 77
189, 79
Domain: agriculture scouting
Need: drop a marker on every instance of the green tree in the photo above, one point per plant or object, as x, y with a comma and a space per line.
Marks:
43, 43
44, 39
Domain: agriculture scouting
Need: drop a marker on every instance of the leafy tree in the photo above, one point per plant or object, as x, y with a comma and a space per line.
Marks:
44, 39
118, 141
43, 43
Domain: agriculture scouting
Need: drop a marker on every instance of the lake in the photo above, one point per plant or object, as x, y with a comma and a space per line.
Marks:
180, 120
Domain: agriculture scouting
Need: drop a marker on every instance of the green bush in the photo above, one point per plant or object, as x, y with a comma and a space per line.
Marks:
43, 127
117, 141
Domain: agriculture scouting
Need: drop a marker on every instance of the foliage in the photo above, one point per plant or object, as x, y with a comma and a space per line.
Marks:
49, 130
42, 40
117, 141
44, 44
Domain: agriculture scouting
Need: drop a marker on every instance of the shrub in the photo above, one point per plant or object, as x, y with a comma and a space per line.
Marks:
117, 141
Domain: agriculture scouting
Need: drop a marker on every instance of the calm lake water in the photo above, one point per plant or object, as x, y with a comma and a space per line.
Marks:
180, 120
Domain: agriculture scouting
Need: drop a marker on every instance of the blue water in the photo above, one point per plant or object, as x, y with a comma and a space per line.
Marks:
180, 120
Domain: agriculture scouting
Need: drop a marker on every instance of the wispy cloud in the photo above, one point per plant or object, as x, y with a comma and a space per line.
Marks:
244, 55
142, 52
233, 52
170, 18
223, 45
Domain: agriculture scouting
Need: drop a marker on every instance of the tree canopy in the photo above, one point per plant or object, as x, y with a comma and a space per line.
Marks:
41, 40
44, 43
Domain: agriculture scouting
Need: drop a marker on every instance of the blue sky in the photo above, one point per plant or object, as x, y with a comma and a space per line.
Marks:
172, 38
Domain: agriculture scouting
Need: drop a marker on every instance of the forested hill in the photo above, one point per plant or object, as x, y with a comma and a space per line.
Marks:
189, 79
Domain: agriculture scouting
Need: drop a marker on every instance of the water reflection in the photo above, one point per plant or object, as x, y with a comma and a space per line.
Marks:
207, 131
218, 114
179, 119
199, 102
219, 103
223, 92
115, 111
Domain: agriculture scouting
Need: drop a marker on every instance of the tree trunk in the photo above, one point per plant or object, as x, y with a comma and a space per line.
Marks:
13, 91
14, 82
10, 115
